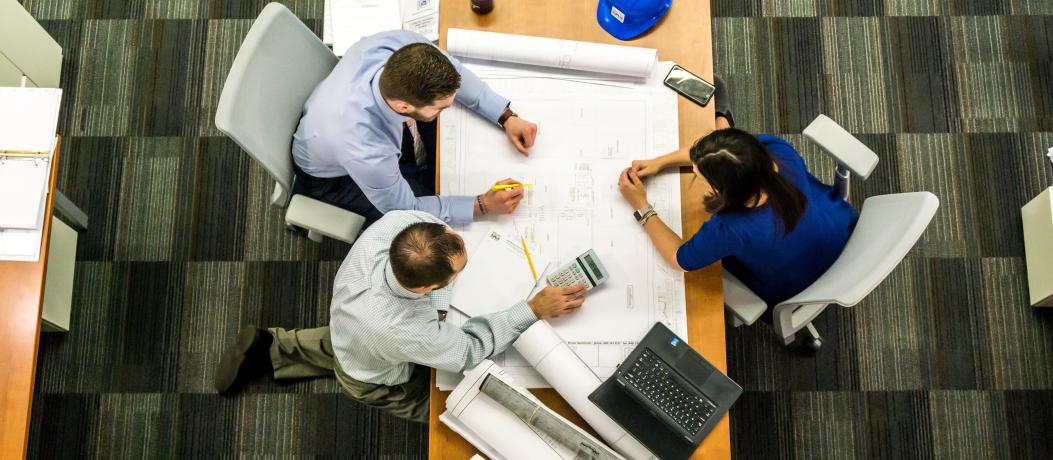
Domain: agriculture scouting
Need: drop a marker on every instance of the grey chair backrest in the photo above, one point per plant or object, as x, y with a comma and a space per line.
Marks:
887, 229
278, 65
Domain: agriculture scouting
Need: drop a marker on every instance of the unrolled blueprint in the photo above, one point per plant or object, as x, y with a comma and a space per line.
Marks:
590, 129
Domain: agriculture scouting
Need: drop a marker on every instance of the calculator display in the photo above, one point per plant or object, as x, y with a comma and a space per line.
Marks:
592, 264
585, 269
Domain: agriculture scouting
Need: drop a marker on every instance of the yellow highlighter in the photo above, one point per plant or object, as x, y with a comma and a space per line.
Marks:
508, 186
529, 260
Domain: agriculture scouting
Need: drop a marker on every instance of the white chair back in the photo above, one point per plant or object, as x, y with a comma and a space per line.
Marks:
278, 65
888, 227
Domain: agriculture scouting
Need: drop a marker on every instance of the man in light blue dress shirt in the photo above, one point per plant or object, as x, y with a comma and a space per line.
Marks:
363, 140
386, 325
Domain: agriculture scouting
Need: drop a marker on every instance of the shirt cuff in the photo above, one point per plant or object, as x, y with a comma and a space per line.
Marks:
521, 316
492, 107
462, 209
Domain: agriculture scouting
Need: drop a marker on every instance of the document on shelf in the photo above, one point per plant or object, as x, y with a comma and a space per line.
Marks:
23, 186
28, 119
19, 173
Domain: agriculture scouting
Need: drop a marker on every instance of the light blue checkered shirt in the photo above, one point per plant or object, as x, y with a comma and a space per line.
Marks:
380, 329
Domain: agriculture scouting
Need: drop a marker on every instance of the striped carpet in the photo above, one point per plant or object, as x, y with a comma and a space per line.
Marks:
945, 360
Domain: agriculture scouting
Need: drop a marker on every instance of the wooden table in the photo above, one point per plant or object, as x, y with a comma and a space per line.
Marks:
21, 300
684, 36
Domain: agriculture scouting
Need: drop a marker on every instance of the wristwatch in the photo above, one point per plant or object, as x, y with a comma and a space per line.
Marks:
643, 213
508, 113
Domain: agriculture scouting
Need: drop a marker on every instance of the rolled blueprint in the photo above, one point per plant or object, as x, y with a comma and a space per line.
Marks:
504, 421
574, 381
533, 414
552, 52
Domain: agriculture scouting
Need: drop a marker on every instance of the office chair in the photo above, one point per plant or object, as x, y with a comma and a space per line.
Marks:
887, 229
278, 65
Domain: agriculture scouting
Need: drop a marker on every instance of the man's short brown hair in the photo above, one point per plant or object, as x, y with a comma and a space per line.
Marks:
422, 255
419, 74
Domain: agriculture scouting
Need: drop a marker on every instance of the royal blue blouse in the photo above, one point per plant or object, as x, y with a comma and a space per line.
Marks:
753, 247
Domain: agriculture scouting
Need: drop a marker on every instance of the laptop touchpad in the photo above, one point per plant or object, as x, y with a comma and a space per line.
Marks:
694, 368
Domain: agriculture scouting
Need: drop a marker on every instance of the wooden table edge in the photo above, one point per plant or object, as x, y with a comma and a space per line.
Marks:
9, 447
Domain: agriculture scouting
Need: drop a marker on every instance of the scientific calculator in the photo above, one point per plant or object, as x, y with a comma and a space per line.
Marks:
585, 269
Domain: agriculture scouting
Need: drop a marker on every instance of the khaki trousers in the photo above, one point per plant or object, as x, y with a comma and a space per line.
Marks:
304, 353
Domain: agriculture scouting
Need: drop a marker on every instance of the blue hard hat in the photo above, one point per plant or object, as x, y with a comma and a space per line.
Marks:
625, 19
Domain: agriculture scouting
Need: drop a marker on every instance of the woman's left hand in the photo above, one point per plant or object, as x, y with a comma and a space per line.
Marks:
632, 189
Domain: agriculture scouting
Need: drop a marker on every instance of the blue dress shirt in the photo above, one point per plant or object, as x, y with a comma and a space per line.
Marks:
348, 129
776, 266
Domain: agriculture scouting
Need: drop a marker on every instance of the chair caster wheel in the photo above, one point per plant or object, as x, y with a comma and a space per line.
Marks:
815, 345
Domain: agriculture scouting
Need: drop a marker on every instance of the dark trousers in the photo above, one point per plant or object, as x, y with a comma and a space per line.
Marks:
343, 192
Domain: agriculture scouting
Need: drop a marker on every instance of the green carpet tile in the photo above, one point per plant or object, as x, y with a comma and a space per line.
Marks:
944, 360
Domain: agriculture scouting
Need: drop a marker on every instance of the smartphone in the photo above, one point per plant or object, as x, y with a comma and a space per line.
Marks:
689, 85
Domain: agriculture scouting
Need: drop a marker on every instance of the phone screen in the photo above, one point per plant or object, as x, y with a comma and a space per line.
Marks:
690, 85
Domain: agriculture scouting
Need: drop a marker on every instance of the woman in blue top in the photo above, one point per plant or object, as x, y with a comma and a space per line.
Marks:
776, 227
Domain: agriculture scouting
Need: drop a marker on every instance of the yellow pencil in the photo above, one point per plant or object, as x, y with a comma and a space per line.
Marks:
508, 186
529, 261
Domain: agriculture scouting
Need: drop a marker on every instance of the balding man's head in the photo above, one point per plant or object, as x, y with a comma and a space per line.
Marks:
426, 255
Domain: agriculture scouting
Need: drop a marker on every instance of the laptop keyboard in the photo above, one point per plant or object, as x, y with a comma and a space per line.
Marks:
654, 379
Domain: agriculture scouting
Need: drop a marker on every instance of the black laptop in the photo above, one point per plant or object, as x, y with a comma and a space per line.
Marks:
666, 395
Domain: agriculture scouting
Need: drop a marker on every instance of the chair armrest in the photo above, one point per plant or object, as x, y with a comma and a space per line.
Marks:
741, 301
842, 145
324, 218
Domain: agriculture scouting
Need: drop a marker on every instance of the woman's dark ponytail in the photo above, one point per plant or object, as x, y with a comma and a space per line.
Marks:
739, 168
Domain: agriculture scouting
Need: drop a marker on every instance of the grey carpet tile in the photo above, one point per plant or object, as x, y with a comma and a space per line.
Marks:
892, 324
826, 424
90, 176
1026, 413
153, 186
219, 178
1020, 337
968, 424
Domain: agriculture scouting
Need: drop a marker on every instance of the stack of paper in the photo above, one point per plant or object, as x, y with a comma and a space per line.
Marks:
28, 117
498, 275
347, 21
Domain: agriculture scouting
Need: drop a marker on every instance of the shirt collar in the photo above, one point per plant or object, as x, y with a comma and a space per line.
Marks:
385, 110
394, 285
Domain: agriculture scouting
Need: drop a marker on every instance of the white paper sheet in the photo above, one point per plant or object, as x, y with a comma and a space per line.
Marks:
350, 20
347, 21
497, 260
23, 190
422, 17
589, 130
552, 52
28, 117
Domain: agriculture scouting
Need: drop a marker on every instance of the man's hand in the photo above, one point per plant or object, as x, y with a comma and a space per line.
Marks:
502, 201
521, 132
632, 189
555, 301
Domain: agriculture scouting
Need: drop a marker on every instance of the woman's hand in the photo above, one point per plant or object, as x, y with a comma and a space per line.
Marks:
633, 189
644, 168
